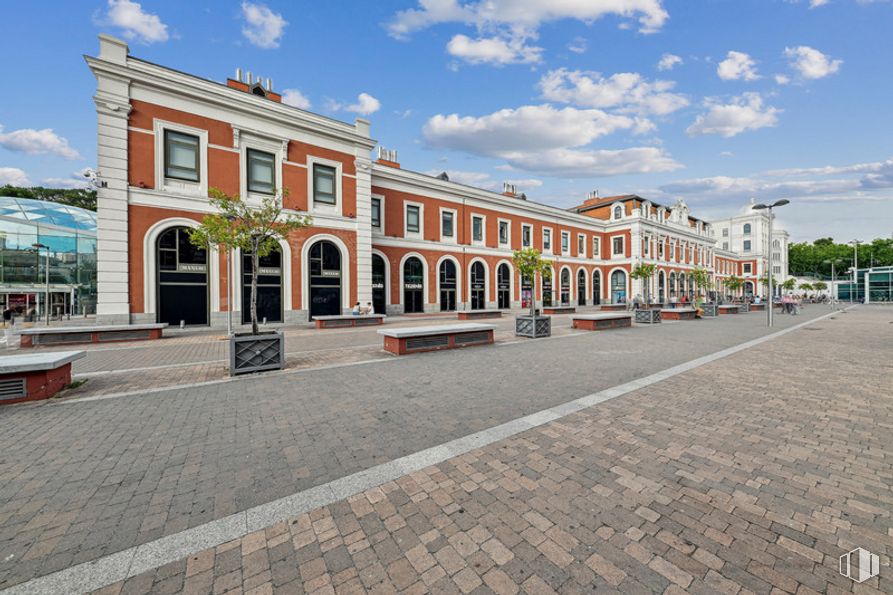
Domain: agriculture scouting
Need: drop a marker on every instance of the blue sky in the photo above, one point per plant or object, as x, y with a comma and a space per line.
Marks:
712, 101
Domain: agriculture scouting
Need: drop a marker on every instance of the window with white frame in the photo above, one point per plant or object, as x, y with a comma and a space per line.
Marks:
447, 224
581, 245
660, 248
526, 235
725, 232
547, 239
565, 242
618, 212
504, 232
617, 246
182, 157
747, 245
413, 219
596, 246
647, 246
776, 269
748, 268
725, 245
747, 229
260, 171
376, 213
477, 229
324, 180
776, 256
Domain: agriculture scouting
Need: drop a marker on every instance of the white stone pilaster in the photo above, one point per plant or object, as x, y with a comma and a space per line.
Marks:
364, 229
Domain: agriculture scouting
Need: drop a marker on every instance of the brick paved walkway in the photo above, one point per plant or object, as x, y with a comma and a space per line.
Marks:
749, 474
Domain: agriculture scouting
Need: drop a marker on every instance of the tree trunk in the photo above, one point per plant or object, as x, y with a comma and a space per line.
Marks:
255, 263
533, 294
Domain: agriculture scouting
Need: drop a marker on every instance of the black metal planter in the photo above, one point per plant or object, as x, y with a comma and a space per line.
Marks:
533, 326
256, 353
709, 309
647, 316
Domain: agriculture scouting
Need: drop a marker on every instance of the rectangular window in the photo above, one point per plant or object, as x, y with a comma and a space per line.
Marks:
776, 270
565, 242
725, 245
747, 268
747, 245
526, 232
477, 229
617, 246
647, 246
181, 158
725, 232
324, 185
446, 224
776, 256
503, 232
596, 243
547, 239
261, 171
660, 249
581, 246
413, 224
376, 213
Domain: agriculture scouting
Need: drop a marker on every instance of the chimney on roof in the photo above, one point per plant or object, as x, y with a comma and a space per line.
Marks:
443, 176
593, 195
509, 189
248, 83
387, 157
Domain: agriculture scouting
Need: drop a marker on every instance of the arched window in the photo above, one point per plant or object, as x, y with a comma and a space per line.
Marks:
618, 287
182, 279
325, 279
269, 287
618, 212
565, 287
447, 285
413, 285
747, 229
776, 244
596, 287
581, 288
503, 286
379, 284
478, 280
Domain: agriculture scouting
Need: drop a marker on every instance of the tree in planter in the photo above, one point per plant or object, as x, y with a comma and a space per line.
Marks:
530, 263
734, 283
644, 272
789, 284
703, 280
820, 286
805, 287
253, 229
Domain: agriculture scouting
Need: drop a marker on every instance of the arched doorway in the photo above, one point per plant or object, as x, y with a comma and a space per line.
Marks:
448, 285
503, 287
682, 286
379, 284
661, 287
748, 288
547, 289
325, 279
478, 286
565, 287
673, 284
413, 286
526, 292
182, 279
618, 287
581, 287
269, 287
596, 288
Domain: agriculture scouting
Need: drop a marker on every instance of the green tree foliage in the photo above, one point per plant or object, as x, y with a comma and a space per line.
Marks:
253, 229
530, 263
734, 283
820, 286
75, 197
805, 258
644, 272
702, 278
805, 287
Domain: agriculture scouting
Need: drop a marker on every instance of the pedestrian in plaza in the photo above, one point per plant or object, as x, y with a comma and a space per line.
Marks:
370, 309
356, 309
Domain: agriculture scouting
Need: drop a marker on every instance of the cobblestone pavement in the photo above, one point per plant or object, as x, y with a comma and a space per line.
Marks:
82, 480
749, 475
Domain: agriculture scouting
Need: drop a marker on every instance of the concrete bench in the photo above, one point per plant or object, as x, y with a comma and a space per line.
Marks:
761, 307
35, 376
613, 307
401, 341
678, 313
549, 310
100, 333
604, 321
478, 314
346, 320
727, 309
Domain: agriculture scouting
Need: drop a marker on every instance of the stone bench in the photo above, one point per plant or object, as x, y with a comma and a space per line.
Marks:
678, 313
100, 333
613, 307
35, 376
478, 314
401, 341
758, 307
347, 320
727, 309
549, 310
600, 322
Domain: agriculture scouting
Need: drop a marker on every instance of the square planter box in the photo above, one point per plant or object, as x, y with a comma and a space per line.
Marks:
709, 309
533, 326
648, 316
256, 353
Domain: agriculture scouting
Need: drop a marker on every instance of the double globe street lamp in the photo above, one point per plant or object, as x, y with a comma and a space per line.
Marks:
760, 207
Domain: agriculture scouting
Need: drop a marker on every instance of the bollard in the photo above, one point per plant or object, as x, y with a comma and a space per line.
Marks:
265, 321
182, 324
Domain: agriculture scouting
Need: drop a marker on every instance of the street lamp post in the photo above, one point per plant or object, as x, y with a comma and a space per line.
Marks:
46, 304
833, 262
855, 289
759, 207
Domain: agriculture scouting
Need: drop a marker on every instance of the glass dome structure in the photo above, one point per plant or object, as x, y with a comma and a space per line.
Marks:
68, 235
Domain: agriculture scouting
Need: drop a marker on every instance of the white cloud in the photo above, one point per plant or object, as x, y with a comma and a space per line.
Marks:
873, 167
737, 66
264, 28
493, 50
366, 104
547, 140
817, 3
625, 91
782, 79
37, 142
135, 23
745, 112
13, 176
578, 45
295, 98
810, 63
525, 15
668, 62
75, 181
